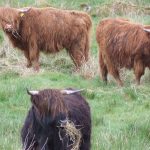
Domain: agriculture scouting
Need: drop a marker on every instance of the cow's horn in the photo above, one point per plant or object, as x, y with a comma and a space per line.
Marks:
67, 92
32, 92
24, 10
147, 30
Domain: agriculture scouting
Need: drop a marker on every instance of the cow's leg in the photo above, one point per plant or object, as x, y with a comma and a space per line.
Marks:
103, 68
77, 56
26, 54
114, 72
34, 55
139, 69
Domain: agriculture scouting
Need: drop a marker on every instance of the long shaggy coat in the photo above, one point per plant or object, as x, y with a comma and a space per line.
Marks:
49, 108
49, 30
123, 44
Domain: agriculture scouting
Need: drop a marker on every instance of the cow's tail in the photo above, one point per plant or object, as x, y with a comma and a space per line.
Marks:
88, 24
86, 28
88, 21
87, 47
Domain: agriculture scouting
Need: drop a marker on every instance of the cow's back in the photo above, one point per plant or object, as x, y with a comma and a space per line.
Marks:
120, 40
54, 28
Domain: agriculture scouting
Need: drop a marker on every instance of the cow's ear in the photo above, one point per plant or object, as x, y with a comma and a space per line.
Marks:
23, 11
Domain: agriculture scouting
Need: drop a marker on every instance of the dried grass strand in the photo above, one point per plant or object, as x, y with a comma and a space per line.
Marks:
72, 132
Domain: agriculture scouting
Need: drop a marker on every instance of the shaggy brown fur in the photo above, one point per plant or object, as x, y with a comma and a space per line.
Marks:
49, 30
122, 44
50, 110
49, 102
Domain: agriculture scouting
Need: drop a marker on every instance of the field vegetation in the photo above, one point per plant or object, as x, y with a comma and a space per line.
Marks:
120, 116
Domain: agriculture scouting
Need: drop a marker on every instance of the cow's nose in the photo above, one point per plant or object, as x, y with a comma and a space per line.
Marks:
8, 27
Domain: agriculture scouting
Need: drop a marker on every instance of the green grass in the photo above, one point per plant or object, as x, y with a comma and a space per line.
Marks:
65, 3
120, 116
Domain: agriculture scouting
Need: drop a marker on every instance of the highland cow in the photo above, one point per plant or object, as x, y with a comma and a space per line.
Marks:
49, 30
44, 125
123, 44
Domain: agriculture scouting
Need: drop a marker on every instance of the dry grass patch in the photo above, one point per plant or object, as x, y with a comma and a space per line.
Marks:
117, 8
89, 69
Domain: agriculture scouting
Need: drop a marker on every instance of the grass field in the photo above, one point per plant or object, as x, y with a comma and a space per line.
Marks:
120, 116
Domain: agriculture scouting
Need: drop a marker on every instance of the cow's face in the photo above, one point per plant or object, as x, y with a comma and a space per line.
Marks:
10, 18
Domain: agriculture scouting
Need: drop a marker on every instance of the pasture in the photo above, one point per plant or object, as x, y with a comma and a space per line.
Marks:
120, 116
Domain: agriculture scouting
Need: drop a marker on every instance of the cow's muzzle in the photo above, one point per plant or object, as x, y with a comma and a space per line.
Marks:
8, 28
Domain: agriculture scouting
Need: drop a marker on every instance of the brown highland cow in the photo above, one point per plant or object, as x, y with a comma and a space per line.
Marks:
46, 126
49, 30
123, 44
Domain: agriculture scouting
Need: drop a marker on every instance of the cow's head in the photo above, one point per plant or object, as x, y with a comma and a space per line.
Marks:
50, 101
10, 18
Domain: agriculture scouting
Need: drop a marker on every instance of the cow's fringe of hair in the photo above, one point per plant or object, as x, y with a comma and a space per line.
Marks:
72, 132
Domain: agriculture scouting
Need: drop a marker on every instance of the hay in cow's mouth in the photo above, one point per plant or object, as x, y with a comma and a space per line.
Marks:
71, 132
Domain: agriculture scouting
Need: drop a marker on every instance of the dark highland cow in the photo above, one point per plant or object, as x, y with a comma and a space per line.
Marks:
49, 30
123, 44
43, 127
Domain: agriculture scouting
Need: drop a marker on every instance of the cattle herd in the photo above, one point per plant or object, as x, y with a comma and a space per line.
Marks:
122, 44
